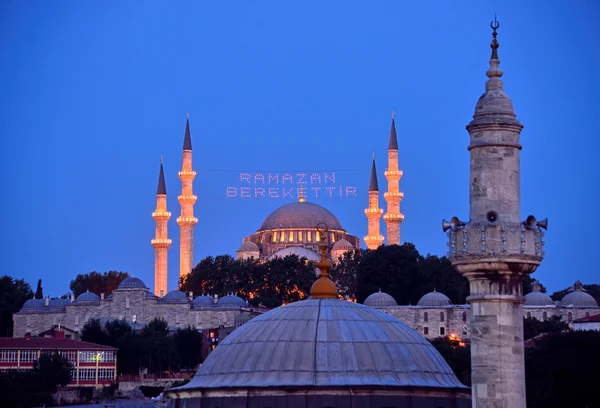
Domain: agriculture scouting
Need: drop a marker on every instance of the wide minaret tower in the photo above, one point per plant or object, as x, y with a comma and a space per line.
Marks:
187, 199
495, 250
374, 238
393, 196
161, 241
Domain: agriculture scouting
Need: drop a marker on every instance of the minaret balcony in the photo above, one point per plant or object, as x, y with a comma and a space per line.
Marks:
482, 240
373, 238
393, 174
392, 217
161, 242
161, 215
373, 212
187, 221
393, 196
187, 199
187, 175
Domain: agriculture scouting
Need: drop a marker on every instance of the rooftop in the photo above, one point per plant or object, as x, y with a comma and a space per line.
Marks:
44, 343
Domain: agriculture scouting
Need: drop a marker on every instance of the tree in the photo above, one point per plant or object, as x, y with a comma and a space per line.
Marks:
344, 273
562, 371
116, 330
93, 332
97, 282
13, 294
52, 370
533, 327
458, 356
159, 348
528, 283
39, 292
188, 342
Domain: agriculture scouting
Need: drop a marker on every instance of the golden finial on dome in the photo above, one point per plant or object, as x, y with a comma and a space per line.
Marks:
301, 197
323, 288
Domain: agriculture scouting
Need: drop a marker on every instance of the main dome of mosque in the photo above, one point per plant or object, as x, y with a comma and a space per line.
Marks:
300, 214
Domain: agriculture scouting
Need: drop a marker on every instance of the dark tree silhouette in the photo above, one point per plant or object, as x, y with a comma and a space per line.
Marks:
97, 282
93, 332
13, 294
39, 292
458, 356
533, 327
188, 342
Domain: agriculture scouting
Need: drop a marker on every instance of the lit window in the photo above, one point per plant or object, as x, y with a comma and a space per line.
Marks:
442, 316
318, 237
300, 236
291, 237
442, 331
332, 238
425, 317
282, 238
275, 236
109, 356
309, 234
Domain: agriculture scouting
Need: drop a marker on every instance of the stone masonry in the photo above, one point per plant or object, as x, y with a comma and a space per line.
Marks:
374, 238
393, 218
161, 241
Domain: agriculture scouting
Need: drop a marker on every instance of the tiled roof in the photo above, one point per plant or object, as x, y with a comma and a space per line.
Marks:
41, 343
588, 319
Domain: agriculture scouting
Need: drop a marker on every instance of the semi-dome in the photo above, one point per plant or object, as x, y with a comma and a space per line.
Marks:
298, 251
300, 215
175, 296
578, 297
248, 246
538, 298
380, 299
87, 297
434, 299
342, 245
231, 300
203, 301
132, 283
323, 343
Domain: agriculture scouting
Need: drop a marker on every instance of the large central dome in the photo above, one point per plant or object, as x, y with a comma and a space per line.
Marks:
300, 215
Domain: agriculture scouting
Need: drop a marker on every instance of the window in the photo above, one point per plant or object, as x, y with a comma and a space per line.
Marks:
442, 331
318, 237
300, 236
425, 331
332, 238
127, 303
464, 316
569, 317
425, 317
28, 356
275, 236
87, 374
8, 356
529, 315
291, 236
87, 357
106, 374
309, 236
442, 316
282, 238
69, 355
545, 316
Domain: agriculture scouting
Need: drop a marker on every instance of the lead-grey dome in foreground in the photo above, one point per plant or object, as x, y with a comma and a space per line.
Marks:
300, 215
323, 343
380, 299
434, 299
132, 283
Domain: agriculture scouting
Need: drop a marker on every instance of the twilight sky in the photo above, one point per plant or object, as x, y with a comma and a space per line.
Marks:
94, 92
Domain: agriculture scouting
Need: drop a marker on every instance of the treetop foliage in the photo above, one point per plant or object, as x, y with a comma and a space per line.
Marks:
13, 294
97, 282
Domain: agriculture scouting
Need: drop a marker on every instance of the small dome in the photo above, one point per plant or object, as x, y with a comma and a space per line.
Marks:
434, 299
342, 245
298, 251
58, 304
538, 298
355, 345
248, 246
175, 296
33, 305
203, 301
132, 283
578, 297
380, 299
300, 215
231, 300
87, 297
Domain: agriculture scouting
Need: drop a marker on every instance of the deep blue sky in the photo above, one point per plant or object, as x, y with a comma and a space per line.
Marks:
94, 92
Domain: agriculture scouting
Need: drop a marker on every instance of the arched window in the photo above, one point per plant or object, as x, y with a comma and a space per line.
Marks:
425, 317
529, 315
464, 316
442, 316
570, 317
545, 316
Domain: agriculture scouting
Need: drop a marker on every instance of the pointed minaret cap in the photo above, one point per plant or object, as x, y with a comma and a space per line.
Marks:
187, 139
495, 72
373, 185
323, 288
393, 139
162, 187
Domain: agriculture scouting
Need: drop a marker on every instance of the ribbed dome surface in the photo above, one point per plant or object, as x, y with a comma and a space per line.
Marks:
578, 298
300, 215
231, 300
203, 301
87, 297
434, 299
299, 251
33, 304
380, 299
248, 246
538, 299
342, 245
132, 283
175, 296
324, 343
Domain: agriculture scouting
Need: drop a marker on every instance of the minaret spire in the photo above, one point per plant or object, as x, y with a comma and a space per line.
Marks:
393, 196
187, 199
161, 242
374, 238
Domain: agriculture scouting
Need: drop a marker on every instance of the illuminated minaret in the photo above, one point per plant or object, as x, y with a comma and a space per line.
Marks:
187, 199
161, 242
393, 196
374, 238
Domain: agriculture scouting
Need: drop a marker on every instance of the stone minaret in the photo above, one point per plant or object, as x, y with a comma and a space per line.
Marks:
374, 238
187, 199
393, 196
495, 250
161, 241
